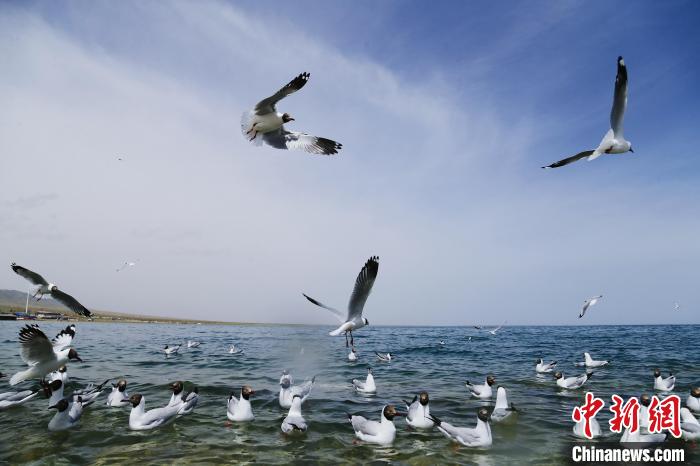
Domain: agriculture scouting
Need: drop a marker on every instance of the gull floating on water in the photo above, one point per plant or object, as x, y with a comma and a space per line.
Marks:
386, 357
664, 385
45, 287
380, 433
294, 421
614, 140
67, 414
185, 401
588, 361
543, 367
358, 298
265, 124
240, 410
639, 440
192, 344
118, 395
168, 350
233, 350
40, 355
502, 411
352, 355
10, 399
572, 383
289, 391
140, 419
479, 436
690, 427
484, 391
588, 303
580, 428
61, 374
368, 386
418, 412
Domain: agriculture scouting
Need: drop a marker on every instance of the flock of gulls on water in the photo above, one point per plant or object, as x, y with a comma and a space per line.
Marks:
46, 359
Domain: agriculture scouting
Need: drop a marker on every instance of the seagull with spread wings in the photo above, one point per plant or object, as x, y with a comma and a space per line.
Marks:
45, 287
41, 355
265, 124
588, 303
614, 141
363, 286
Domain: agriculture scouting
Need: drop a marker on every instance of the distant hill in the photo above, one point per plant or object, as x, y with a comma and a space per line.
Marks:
16, 298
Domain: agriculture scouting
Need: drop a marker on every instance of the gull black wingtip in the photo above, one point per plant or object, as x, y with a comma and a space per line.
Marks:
436, 420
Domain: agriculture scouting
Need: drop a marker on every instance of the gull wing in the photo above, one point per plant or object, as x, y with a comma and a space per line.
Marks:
33, 277
461, 434
35, 346
70, 302
336, 312
573, 158
363, 286
367, 427
617, 113
283, 139
64, 338
268, 105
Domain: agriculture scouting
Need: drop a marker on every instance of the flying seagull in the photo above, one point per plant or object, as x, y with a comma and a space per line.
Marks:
265, 124
49, 288
588, 303
363, 286
127, 264
495, 330
676, 306
614, 140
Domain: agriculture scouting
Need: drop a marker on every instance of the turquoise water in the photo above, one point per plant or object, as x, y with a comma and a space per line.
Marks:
542, 433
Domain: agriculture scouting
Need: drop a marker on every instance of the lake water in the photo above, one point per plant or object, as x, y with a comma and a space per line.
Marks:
542, 433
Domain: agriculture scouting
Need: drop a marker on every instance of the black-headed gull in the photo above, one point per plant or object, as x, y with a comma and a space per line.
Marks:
126, 264
358, 298
352, 355
55, 391
638, 439
186, 401
417, 412
693, 401
50, 289
294, 421
495, 330
571, 383
386, 357
10, 399
644, 401
61, 374
544, 367
380, 433
240, 410
484, 391
478, 437
288, 391
233, 350
614, 140
170, 350
368, 386
690, 427
588, 303
140, 419
265, 124
40, 355
67, 414
193, 344
580, 428
664, 385
118, 395
588, 361
503, 411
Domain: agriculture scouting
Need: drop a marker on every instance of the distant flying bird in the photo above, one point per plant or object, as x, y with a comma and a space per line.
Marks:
495, 330
363, 286
588, 303
127, 264
614, 140
265, 124
478, 327
676, 306
49, 288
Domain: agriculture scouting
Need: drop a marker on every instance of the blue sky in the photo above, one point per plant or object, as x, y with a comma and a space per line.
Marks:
445, 113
